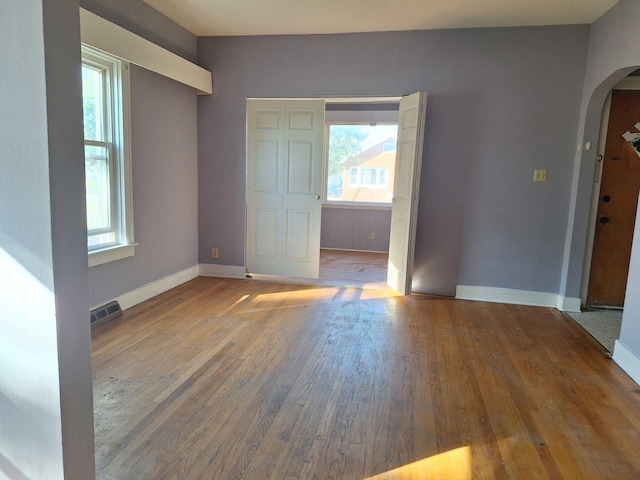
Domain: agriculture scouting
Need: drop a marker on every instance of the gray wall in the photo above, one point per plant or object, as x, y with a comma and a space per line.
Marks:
46, 410
165, 202
351, 228
502, 102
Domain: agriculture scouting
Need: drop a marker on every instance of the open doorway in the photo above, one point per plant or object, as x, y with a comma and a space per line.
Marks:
358, 180
359, 189
615, 198
614, 208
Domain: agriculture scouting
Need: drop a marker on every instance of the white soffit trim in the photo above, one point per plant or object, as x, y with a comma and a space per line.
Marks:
111, 38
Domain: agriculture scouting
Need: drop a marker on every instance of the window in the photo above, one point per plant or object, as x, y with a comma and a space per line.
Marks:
389, 147
368, 177
360, 164
105, 93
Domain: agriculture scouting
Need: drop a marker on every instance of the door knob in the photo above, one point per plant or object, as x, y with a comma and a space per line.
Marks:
317, 197
604, 220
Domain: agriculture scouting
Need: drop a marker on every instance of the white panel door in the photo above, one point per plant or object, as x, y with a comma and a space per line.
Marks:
405, 191
284, 178
265, 171
302, 207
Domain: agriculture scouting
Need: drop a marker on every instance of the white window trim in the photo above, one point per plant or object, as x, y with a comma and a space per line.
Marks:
111, 254
326, 203
121, 125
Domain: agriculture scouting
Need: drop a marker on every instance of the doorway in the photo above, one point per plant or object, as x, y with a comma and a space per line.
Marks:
276, 153
615, 202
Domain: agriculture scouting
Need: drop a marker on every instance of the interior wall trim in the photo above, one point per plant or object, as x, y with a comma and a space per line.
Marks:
225, 271
569, 304
627, 361
517, 297
150, 290
111, 38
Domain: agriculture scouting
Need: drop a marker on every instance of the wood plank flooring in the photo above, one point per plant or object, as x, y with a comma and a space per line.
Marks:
362, 269
240, 379
344, 268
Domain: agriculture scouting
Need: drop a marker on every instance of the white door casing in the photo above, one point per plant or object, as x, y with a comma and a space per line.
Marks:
411, 119
284, 181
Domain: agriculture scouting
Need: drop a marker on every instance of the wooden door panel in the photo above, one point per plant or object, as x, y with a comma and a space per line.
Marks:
617, 204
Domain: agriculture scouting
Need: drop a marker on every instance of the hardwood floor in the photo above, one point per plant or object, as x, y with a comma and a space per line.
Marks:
239, 379
362, 269
344, 268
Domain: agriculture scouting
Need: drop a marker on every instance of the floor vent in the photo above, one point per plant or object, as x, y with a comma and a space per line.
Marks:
105, 313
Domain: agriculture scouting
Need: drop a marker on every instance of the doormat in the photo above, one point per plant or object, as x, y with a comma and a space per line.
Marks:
603, 325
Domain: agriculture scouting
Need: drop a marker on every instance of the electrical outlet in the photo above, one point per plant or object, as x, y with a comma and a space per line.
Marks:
214, 252
372, 236
539, 175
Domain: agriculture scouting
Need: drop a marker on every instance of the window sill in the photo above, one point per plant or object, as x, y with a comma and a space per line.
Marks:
111, 254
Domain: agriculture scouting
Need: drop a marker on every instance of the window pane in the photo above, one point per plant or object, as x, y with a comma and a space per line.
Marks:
354, 178
361, 163
93, 103
383, 177
98, 187
368, 177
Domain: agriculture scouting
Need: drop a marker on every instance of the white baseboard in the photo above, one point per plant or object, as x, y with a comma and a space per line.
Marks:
157, 287
627, 361
569, 304
516, 297
226, 271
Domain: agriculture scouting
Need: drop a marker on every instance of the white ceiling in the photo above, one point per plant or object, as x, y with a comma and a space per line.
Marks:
274, 17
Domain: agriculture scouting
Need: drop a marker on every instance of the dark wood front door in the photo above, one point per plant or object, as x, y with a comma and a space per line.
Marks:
617, 204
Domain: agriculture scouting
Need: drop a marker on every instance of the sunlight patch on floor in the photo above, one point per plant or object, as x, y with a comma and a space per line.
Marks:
320, 293
452, 465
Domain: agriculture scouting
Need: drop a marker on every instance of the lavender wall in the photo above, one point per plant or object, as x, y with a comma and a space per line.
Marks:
46, 408
164, 162
351, 228
502, 102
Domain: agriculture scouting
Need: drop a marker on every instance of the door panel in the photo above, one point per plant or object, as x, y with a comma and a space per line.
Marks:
300, 119
267, 166
266, 234
300, 168
265, 123
284, 177
405, 191
617, 204
298, 231
301, 200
